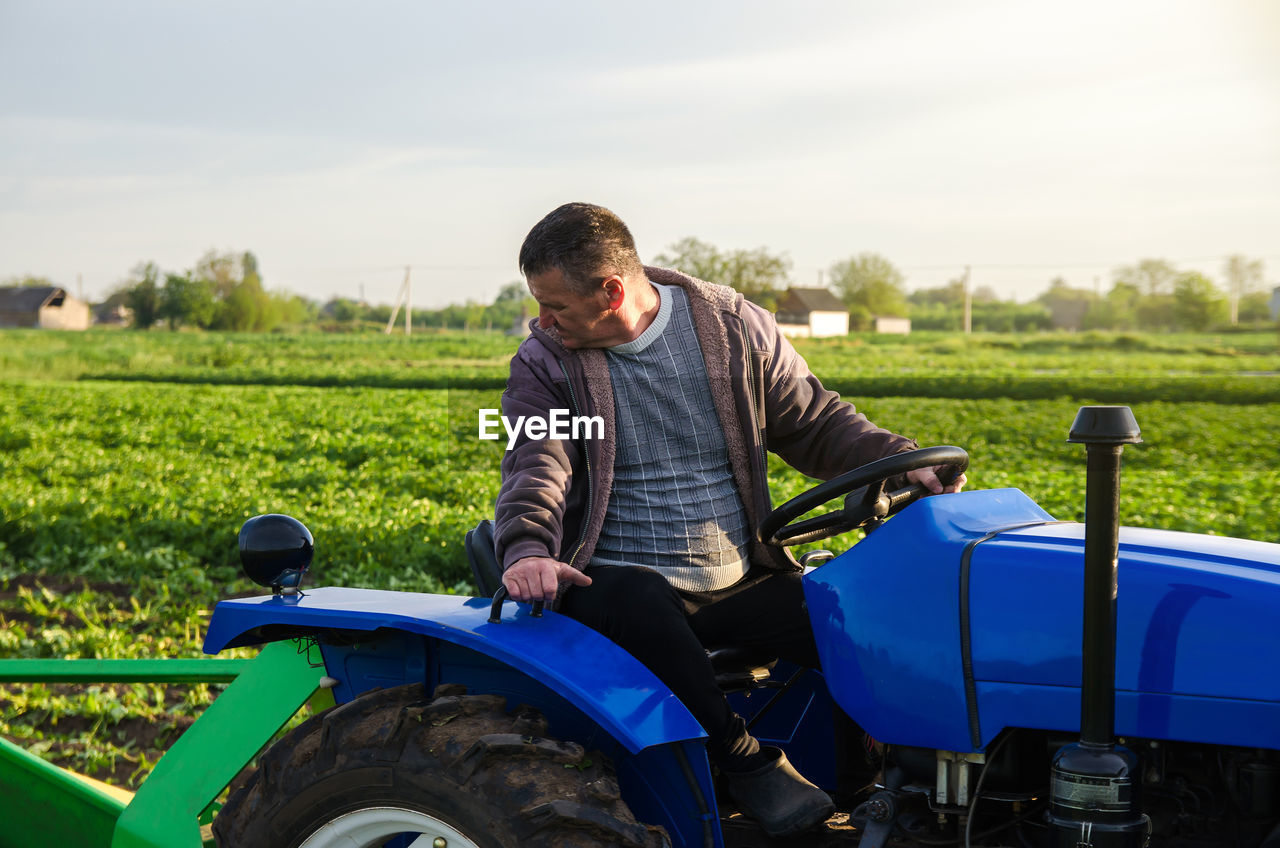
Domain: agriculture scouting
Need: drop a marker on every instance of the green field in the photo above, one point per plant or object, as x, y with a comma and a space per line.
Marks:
129, 461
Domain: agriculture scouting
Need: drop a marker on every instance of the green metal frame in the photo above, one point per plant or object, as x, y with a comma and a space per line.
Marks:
121, 671
41, 804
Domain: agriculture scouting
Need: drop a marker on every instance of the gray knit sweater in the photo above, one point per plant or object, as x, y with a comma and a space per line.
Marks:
674, 505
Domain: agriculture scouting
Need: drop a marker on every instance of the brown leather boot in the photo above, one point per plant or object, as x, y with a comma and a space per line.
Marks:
778, 797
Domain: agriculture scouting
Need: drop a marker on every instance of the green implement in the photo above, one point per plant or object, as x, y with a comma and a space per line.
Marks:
121, 671
45, 805
42, 804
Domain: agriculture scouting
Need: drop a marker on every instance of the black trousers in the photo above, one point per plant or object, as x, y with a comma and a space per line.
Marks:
668, 630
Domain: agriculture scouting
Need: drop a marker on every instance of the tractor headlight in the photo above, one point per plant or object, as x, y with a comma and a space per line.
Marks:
275, 551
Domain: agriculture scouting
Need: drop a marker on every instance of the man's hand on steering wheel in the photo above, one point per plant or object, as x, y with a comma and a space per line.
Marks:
928, 477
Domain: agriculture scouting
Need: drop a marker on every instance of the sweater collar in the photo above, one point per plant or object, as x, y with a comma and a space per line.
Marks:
655, 329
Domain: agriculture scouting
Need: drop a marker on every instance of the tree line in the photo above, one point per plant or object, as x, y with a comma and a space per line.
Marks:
225, 291
1151, 294
222, 291
509, 311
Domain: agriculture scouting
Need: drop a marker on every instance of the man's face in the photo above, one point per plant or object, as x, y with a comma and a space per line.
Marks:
583, 320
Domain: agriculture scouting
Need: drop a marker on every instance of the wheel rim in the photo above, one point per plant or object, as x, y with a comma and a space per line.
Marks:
371, 827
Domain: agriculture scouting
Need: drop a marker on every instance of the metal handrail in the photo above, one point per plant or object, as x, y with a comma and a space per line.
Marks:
121, 671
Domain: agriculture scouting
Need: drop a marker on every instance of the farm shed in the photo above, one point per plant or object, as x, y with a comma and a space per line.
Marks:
112, 314
45, 307
886, 324
812, 313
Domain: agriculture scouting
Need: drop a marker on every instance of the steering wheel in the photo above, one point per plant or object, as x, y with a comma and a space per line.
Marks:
867, 503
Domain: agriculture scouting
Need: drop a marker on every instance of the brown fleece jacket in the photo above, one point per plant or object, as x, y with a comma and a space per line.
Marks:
555, 493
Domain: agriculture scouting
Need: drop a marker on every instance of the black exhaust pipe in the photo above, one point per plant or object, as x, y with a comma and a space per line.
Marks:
1095, 784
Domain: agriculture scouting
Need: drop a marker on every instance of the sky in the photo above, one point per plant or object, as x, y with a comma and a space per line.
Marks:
341, 142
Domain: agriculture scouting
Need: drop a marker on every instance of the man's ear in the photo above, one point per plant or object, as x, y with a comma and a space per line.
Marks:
615, 290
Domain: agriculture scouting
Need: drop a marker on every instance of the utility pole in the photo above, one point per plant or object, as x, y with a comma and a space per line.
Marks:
402, 297
968, 304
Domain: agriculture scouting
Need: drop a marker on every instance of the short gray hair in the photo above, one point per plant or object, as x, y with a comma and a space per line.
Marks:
584, 242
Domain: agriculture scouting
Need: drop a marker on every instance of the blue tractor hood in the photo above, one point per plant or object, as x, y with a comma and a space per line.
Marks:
963, 615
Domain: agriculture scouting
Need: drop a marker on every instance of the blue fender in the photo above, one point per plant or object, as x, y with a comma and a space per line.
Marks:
606, 683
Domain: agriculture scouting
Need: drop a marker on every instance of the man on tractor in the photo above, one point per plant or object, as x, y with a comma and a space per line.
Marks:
646, 533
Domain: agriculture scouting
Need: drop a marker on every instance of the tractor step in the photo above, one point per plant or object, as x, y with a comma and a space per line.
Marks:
837, 832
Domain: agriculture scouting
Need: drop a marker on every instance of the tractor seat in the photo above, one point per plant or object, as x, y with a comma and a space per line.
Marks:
737, 669
483, 558
741, 669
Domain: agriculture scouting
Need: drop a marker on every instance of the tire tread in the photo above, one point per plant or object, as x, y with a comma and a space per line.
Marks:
495, 772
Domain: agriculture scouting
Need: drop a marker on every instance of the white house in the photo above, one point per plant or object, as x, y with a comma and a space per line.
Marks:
812, 313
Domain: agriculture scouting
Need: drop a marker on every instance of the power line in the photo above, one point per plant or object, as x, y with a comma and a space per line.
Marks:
941, 266
417, 266
1085, 265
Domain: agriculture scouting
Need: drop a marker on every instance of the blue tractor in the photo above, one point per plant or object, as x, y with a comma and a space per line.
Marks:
990, 676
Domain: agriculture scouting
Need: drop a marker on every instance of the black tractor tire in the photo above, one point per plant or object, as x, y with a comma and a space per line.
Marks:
460, 759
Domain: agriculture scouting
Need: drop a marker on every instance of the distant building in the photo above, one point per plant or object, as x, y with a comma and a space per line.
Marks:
520, 324
1275, 304
112, 314
812, 314
44, 307
886, 324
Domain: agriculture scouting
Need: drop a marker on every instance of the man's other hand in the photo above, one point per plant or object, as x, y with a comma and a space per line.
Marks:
537, 578
928, 477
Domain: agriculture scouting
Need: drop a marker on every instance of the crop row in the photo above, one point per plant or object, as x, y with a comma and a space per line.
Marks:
111, 480
1241, 369
120, 502
1016, 385
156, 479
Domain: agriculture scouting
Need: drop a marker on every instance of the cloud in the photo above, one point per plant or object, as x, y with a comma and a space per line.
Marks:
323, 135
